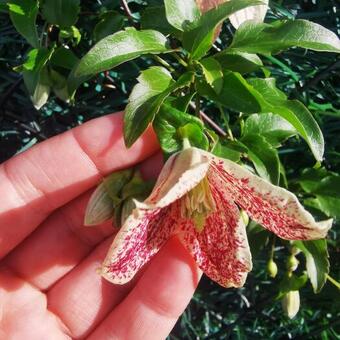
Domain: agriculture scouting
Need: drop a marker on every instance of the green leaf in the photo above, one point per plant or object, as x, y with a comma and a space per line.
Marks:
271, 126
170, 124
64, 57
154, 85
278, 36
199, 40
273, 100
182, 14
63, 13
116, 49
325, 187
154, 18
317, 263
264, 157
110, 23
23, 15
181, 103
228, 150
238, 61
292, 282
235, 94
213, 73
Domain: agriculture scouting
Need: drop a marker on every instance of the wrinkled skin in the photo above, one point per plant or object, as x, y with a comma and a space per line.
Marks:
49, 288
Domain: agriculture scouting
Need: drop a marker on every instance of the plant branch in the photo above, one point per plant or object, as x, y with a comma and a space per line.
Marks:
127, 9
210, 121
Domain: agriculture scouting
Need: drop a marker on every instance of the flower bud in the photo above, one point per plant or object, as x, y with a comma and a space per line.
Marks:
244, 217
100, 207
291, 303
271, 268
295, 250
127, 209
292, 263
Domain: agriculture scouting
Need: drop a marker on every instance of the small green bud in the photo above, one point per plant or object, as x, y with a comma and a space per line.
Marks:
271, 268
244, 217
291, 303
295, 250
292, 263
100, 207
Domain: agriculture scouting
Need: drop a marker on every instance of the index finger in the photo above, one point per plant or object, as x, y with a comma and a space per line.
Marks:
36, 182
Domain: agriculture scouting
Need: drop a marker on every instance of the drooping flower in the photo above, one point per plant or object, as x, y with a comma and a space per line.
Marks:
197, 197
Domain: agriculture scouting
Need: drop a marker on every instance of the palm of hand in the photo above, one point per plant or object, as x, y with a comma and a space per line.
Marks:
49, 288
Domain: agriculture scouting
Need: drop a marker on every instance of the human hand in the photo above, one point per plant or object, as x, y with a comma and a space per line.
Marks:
49, 288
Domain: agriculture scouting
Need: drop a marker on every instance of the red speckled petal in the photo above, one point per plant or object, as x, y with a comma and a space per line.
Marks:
139, 239
182, 172
275, 208
221, 250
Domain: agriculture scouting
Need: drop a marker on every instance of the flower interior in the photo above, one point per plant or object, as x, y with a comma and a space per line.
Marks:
198, 204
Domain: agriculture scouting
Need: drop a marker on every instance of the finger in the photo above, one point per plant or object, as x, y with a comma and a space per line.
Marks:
83, 298
57, 246
54, 172
23, 312
62, 241
152, 308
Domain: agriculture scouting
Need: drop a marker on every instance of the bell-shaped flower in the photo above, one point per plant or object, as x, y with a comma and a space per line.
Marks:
197, 197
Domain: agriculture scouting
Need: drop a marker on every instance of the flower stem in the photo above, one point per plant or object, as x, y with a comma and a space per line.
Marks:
335, 283
180, 60
163, 62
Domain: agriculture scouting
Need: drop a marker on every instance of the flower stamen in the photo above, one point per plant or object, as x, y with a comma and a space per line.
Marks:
198, 204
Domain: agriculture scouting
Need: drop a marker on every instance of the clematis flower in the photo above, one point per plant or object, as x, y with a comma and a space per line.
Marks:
197, 197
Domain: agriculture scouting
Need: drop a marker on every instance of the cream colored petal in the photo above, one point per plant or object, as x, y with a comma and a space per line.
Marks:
221, 248
255, 13
274, 207
181, 173
140, 238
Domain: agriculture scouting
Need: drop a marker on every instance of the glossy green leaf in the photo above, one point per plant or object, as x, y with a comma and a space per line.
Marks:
228, 150
23, 15
168, 124
213, 74
181, 103
263, 38
64, 57
111, 22
114, 50
63, 13
154, 18
182, 14
154, 85
274, 128
235, 94
325, 187
273, 100
317, 263
264, 157
199, 40
238, 61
